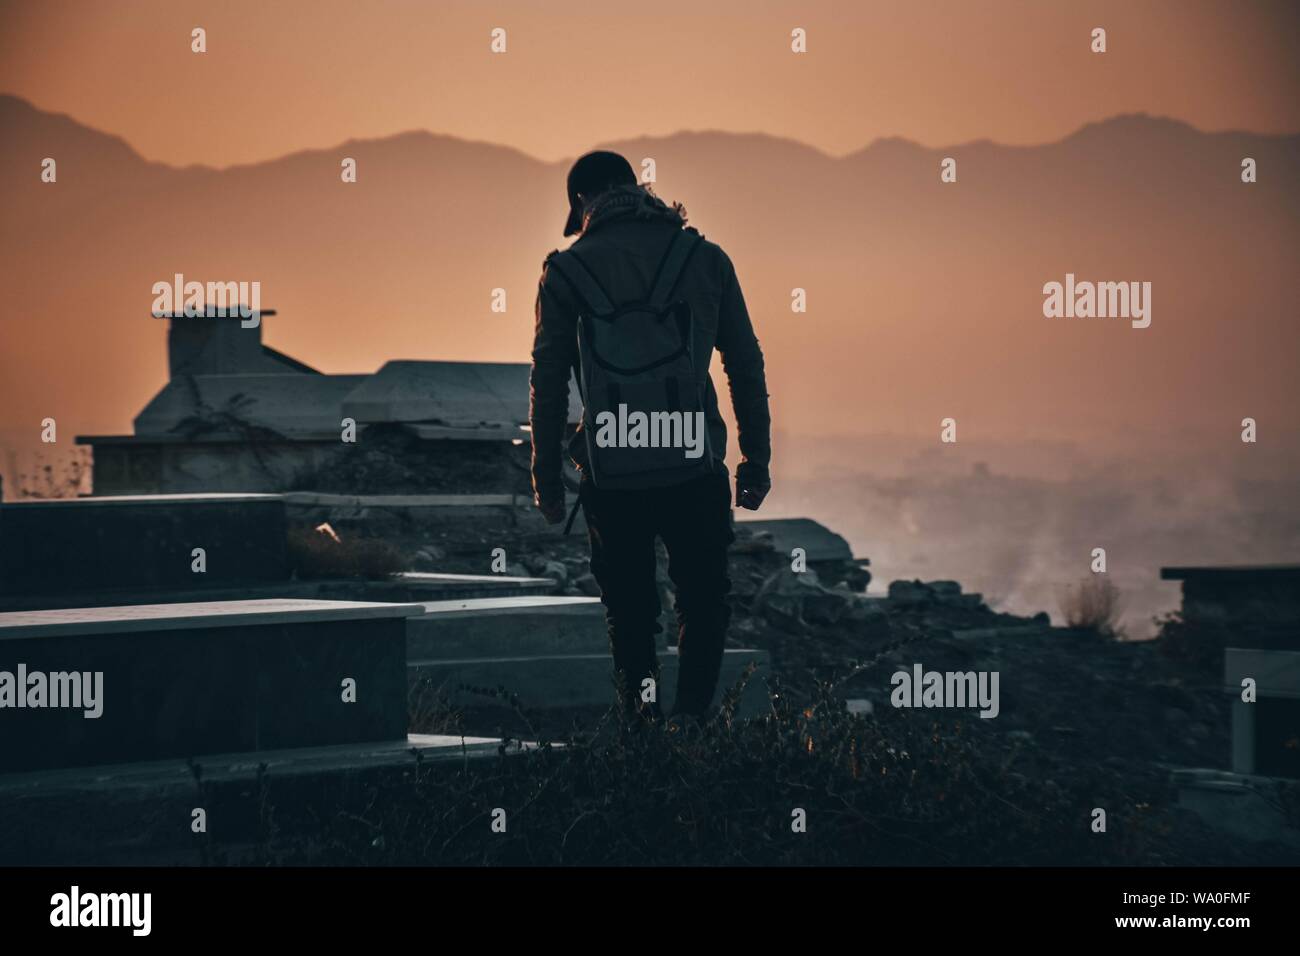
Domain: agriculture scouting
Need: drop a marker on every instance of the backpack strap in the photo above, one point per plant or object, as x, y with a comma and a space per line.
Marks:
670, 270
582, 282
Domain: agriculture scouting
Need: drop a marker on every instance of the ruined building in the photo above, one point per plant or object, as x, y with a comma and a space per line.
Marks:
237, 415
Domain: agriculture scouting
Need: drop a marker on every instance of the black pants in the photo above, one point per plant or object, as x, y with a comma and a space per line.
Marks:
694, 521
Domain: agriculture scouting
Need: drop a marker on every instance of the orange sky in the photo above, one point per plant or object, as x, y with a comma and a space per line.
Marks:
280, 76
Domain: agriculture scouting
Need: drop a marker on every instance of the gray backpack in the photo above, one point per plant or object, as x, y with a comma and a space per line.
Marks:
643, 409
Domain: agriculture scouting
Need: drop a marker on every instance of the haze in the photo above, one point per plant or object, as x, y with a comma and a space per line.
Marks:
816, 171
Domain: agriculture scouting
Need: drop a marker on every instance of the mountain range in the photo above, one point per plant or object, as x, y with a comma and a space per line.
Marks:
924, 298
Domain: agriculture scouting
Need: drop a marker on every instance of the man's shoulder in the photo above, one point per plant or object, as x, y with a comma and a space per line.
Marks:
549, 268
591, 247
710, 254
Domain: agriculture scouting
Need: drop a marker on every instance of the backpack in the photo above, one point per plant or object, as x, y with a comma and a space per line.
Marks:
643, 408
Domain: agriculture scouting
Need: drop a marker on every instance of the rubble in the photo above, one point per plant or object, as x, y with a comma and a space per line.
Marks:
911, 594
1079, 704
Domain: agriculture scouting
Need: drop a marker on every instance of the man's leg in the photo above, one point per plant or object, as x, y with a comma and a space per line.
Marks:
621, 533
695, 524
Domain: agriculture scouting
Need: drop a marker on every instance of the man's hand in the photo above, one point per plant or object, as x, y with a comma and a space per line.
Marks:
552, 507
752, 486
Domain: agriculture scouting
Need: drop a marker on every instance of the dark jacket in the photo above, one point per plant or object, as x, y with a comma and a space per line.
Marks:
625, 235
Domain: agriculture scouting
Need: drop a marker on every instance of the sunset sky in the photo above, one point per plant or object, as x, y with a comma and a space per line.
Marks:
924, 297
283, 76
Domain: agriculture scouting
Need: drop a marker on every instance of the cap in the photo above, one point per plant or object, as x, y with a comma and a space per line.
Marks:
593, 174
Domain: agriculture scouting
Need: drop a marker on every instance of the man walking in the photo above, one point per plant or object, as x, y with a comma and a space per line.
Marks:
635, 308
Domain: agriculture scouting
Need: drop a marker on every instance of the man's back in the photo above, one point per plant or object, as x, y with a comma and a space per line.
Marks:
622, 248
623, 254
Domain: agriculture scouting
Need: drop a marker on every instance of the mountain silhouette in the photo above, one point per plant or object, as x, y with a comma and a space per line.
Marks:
924, 299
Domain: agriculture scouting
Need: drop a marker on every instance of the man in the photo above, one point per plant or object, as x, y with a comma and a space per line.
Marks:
637, 270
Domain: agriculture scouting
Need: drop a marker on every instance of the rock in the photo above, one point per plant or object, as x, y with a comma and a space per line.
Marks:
757, 542
863, 609
556, 570
382, 521
782, 581
785, 581
824, 606
933, 593
799, 597
517, 570
857, 578
586, 584
909, 593
783, 611
427, 558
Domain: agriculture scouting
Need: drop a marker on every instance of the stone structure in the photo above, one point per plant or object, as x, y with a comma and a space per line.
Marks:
1266, 731
181, 680
237, 415
1260, 604
143, 543
826, 553
552, 652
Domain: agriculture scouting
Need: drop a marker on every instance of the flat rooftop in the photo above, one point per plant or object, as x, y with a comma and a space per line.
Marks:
1228, 571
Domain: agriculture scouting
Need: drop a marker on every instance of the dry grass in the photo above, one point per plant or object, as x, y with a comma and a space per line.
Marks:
1093, 605
320, 553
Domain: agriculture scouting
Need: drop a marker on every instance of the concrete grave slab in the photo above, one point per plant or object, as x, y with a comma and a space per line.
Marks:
578, 680
402, 588
143, 810
139, 618
191, 679
1265, 733
507, 627
1240, 804
141, 541
222, 767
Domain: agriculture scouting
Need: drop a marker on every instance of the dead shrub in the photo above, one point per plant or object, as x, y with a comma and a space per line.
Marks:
1093, 605
320, 553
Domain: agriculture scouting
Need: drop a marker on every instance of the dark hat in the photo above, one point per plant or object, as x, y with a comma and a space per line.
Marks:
591, 175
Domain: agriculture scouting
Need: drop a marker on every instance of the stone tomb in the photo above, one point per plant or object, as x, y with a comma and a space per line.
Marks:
550, 651
1266, 733
141, 541
1265, 751
182, 680
1259, 603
